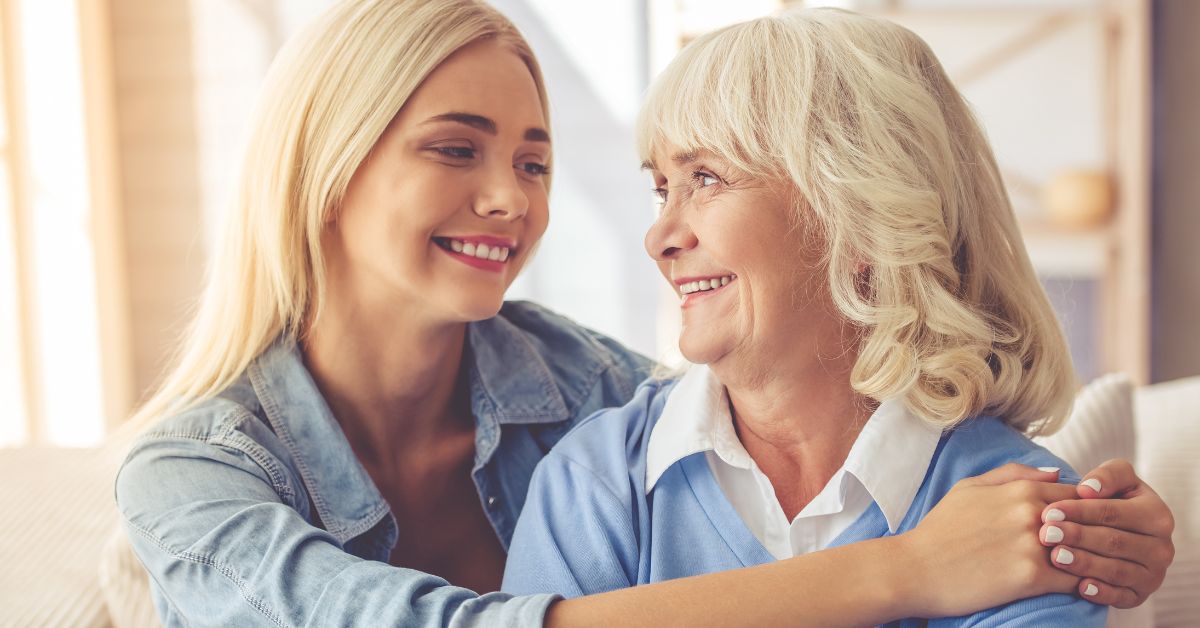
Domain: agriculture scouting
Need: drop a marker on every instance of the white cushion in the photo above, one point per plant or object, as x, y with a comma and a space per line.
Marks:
1168, 424
1101, 426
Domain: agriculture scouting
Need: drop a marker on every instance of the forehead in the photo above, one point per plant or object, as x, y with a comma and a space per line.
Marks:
485, 78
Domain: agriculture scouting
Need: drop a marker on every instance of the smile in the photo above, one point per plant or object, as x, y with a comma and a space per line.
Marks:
491, 256
481, 250
705, 285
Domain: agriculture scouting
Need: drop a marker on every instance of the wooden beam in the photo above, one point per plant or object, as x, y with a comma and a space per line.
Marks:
1131, 314
107, 215
18, 174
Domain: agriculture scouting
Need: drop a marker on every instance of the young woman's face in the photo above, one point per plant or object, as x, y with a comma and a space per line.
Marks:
446, 209
750, 281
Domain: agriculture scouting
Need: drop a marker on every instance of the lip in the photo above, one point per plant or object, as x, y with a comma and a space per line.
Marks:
688, 300
493, 266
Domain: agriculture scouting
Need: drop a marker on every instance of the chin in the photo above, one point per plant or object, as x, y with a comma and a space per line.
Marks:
475, 307
698, 349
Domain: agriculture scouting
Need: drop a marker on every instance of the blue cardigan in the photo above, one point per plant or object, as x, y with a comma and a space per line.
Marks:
589, 526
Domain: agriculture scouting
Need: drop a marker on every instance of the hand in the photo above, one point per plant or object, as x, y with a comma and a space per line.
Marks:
979, 547
1118, 538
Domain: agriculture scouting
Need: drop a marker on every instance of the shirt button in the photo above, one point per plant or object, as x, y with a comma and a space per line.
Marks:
491, 502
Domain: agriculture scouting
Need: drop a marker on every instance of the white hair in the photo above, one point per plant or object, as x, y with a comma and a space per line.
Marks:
896, 177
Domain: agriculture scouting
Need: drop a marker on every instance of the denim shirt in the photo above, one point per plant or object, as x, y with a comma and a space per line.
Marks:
251, 508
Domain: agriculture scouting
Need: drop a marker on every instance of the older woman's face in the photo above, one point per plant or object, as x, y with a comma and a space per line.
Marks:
748, 279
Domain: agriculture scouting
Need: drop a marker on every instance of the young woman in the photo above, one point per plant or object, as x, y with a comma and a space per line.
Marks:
350, 432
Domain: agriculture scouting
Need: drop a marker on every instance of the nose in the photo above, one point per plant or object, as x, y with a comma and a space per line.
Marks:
501, 197
669, 235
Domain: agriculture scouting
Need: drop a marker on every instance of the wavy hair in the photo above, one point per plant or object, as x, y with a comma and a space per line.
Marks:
923, 252
327, 98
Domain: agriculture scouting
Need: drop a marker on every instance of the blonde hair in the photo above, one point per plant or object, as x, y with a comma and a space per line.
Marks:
328, 97
897, 176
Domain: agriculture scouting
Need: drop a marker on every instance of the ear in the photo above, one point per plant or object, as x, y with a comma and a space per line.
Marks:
862, 279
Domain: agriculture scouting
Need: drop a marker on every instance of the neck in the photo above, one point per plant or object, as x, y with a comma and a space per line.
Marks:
390, 376
798, 421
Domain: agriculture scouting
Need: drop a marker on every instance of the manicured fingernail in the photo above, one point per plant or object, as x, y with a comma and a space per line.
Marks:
1092, 483
1064, 556
1053, 534
1049, 469
1090, 589
1055, 514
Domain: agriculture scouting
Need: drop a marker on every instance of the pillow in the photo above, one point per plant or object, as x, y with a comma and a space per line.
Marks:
1101, 425
1168, 423
125, 584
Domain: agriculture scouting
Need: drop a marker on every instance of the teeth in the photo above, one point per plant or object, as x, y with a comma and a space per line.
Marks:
706, 284
481, 251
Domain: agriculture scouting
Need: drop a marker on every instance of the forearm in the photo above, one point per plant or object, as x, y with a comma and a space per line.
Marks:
865, 583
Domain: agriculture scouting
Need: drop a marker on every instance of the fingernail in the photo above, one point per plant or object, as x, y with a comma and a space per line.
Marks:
1064, 556
1090, 589
1053, 534
1049, 469
1055, 514
1092, 483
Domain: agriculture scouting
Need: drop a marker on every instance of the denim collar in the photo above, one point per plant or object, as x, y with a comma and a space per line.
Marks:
510, 383
346, 500
510, 380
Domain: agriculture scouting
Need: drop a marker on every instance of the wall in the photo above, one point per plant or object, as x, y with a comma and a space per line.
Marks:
1175, 308
160, 184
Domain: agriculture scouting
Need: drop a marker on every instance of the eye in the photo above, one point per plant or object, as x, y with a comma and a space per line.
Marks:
455, 152
704, 179
660, 196
533, 168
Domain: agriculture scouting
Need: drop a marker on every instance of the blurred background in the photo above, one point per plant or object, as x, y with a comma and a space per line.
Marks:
121, 120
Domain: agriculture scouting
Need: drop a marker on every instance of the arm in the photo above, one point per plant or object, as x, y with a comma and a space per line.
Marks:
977, 549
214, 529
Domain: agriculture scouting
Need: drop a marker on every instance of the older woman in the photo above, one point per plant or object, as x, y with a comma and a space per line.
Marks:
867, 327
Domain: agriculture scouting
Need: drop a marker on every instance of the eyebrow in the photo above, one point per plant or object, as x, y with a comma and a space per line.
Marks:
680, 159
487, 125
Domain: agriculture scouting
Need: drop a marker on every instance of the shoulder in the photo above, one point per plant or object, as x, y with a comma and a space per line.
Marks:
985, 443
589, 369
214, 438
610, 445
977, 446
560, 339
972, 448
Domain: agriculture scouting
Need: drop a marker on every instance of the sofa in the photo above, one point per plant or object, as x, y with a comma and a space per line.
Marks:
65, 562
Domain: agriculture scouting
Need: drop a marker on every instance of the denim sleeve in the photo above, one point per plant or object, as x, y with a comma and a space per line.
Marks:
1056, 609
223, 547
573, 538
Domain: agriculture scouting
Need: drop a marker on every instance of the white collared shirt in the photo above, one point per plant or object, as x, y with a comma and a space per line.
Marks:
886, 464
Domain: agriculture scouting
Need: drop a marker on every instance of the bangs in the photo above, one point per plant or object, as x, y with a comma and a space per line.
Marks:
715, 96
